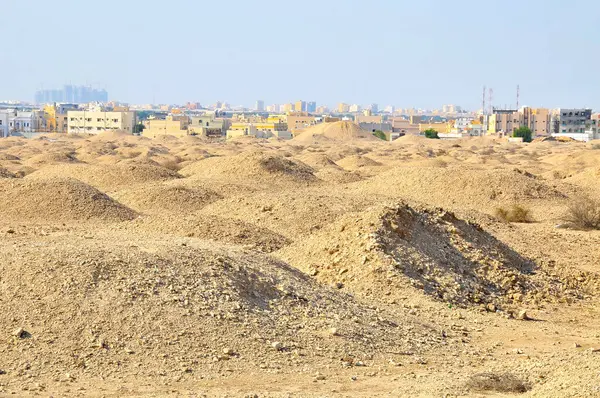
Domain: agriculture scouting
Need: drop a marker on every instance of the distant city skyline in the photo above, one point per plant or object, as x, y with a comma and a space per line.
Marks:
407, 54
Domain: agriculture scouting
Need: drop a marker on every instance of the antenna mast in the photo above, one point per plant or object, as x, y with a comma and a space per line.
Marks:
518, 94
483, 101
491, 99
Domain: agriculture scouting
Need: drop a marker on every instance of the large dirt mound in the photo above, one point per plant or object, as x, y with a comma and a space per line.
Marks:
109, 177
52, 158
337, 131
148, 309
57, 199
389, 251
254, 165
161, 197
461, 186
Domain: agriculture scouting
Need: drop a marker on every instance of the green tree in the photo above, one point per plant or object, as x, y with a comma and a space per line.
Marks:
380, 134
524, 132
431, 133
138, 129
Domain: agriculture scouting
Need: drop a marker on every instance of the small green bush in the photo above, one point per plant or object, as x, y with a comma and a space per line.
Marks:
431, 133
380, 134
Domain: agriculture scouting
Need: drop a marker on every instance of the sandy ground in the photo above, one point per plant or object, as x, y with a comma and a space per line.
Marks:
328, 265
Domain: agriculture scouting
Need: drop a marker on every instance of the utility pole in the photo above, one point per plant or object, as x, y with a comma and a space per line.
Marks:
483, 102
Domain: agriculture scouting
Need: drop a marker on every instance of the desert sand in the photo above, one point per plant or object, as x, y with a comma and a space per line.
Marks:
333, 264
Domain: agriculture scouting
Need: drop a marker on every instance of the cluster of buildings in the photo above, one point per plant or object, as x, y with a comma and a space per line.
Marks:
288, 119
71, 94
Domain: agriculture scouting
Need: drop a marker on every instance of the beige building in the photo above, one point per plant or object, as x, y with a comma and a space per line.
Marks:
442, 128
368, 119
259, 130
175, 125
402, 127
208, 126
343, 108
506, 121
94, 122
299, 122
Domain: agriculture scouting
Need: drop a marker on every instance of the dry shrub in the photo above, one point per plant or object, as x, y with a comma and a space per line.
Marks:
516, 213
507, 383
596, 146
584, 213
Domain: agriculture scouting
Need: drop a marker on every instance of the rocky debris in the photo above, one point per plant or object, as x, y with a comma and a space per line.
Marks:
522, 315
21, 333
389, 247
112, 299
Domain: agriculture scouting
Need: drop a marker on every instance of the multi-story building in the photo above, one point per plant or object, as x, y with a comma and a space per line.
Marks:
403, 126
504, 121
538, 120
299, 121
94, 122
343, 108
260, 106
174, 125
311, 107
442, 128
287, 108
24, 122
259, 130
208, 126
4, 116
300, 106
73, 94
571, 121
595, 126
354, 108
322, 110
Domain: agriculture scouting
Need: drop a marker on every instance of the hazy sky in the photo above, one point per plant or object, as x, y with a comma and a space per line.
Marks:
421, 53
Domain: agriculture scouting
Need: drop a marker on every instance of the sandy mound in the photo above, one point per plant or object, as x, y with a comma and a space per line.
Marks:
317, 160
338, 131
453, 187
393, 250
57, 199
411, 139
9, 157
215, 228
108, 177
158, 311
161, 197
254, 165
357, 162
51, 158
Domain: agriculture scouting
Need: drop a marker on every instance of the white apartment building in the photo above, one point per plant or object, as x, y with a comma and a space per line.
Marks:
95, 122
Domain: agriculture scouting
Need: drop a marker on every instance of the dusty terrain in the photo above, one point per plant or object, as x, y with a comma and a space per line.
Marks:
328, 265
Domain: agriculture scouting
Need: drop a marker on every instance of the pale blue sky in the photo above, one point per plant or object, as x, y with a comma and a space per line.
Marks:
407, 53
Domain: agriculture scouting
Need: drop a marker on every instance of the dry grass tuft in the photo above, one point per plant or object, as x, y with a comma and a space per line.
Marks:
507, 383
583, 213
516, 213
